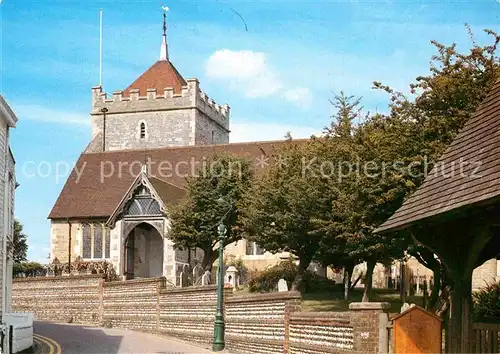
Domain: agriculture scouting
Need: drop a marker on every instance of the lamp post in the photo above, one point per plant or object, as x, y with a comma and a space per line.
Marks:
219, 325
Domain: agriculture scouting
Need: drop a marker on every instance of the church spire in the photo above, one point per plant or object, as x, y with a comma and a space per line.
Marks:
164, 46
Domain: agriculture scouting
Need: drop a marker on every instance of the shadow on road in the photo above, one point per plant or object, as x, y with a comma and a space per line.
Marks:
79, 338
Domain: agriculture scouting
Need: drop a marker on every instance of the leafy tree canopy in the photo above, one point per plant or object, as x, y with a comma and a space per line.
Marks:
289, 208
216, 190
20, 243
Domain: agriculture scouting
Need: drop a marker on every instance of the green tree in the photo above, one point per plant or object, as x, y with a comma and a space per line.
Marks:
371, 187
385, 150
448, 96
445, 99
348, 111
334, 251
196, 217
402, 142
289, 206
19, 244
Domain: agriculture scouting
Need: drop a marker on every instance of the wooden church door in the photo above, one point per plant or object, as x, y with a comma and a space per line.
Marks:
130, 256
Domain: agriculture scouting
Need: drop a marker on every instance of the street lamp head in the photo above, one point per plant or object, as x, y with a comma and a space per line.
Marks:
222, 229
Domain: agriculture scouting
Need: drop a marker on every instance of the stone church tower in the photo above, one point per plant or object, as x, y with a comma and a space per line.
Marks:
159, 109
123, 218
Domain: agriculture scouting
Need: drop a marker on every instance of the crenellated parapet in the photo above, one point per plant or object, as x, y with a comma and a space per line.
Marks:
190, 97
208, 106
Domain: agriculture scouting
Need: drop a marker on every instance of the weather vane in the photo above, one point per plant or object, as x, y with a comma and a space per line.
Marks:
164, 49
165, 10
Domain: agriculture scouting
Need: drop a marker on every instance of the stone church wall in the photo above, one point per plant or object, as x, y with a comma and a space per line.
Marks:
59, 247
485, 274
189, 118
209, 131
163, 128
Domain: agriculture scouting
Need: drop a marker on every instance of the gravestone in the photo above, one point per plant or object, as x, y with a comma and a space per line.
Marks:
197, 274
406, 306
184, 277
232, 276
282, 285
206, 279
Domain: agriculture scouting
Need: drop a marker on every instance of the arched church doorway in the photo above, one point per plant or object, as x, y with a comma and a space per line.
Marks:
143, 252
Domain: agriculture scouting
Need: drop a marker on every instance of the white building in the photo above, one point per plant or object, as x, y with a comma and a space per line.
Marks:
22, 334
7, 187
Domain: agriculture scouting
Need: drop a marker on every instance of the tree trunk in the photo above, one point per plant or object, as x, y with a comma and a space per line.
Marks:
370, 265
348, 280
303, 265
356, 281
208, 259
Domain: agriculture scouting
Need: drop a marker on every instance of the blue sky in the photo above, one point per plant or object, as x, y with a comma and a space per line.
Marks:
277, 73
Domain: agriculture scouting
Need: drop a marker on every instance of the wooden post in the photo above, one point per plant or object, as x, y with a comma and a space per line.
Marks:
469, 242
402, 290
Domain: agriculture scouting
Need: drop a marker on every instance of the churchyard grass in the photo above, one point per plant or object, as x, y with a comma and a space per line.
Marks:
334, 301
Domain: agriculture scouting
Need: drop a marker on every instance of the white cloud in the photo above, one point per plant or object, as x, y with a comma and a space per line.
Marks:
49, 115
250, 131
244, 70
300, 96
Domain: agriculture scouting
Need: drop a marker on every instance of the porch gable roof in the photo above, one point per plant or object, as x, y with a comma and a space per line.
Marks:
161, 191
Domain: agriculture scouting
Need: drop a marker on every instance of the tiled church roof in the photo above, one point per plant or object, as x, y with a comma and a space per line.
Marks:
100, 180
168, 192
477, 149
160, 75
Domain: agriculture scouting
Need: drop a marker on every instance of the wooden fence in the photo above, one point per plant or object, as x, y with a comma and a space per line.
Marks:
486, 338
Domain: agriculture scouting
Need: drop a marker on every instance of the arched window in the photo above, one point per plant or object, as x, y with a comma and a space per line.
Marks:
142, 128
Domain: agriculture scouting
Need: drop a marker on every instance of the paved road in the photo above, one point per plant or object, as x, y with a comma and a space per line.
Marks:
83, 339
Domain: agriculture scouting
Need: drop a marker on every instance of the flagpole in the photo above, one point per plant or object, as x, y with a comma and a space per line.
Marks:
100, 47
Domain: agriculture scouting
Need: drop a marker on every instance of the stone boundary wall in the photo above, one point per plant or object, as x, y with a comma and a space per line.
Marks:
141, 304
59, 299
132, 304
262, 323
189, 313
259, 323
320, 332
273, 323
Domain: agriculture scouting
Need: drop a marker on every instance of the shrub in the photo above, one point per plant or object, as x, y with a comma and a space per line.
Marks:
314, 283
267, 280
487, 304
28, 269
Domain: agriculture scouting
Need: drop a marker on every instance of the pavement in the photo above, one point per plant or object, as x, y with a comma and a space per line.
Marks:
56, 338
